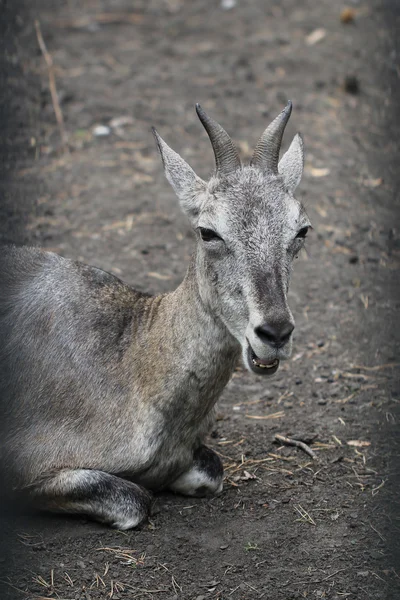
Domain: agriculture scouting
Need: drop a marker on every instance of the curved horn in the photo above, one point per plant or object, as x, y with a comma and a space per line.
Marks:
266, 153
226, 156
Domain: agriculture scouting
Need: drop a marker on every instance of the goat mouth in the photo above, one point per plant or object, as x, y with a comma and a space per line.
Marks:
261, 366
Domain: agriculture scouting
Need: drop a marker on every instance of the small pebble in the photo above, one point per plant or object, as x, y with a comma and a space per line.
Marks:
351, 85
228, 4
101, 130
322, 401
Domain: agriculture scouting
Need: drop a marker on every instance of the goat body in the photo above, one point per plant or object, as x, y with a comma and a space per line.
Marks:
107, 392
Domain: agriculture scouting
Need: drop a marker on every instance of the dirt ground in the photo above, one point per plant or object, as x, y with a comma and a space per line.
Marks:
285, 527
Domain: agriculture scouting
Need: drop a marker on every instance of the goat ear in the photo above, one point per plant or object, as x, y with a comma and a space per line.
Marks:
186, 183
292, 163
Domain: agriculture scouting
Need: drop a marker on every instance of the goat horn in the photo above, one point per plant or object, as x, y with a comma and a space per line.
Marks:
226, 156
266, 153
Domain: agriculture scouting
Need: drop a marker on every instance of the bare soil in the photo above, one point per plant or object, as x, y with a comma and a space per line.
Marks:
286, 527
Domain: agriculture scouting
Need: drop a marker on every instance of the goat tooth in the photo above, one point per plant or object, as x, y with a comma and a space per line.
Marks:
270, 365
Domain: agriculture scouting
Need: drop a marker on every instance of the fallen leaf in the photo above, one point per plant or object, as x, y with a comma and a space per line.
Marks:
315, 36
339, 249
372, 183
117, 122
364, 299
321, 211
126, 224
246, 475
315, 172
358, 443
347, 15
139, 177
158, 275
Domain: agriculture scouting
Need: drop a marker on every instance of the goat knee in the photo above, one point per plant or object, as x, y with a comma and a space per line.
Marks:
204, 476
99, 495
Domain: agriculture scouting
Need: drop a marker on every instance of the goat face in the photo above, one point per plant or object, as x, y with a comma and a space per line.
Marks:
249, 228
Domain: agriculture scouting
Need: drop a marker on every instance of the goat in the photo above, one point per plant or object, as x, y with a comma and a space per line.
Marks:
108, 392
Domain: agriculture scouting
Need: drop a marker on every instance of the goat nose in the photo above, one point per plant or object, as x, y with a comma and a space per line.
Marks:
275, 334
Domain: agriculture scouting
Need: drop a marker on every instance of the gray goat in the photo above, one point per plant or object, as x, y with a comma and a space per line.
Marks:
107, 392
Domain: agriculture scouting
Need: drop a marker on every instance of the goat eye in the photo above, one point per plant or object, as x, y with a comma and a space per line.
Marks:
207, 235
302, 233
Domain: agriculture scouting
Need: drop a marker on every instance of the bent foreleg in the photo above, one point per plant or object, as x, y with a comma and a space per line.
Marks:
204, 476
104, 497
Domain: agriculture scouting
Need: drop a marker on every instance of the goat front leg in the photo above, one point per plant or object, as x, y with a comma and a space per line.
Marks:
204, 476
99, 495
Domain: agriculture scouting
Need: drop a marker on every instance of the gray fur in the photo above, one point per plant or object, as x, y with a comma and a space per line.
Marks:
107, 392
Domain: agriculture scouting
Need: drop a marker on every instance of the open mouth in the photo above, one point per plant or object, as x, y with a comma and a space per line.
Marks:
261, 366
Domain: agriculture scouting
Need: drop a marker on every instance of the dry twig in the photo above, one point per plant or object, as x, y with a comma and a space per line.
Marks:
304, 515
52, 84
289, 442
126, 555
276, 415
377, 367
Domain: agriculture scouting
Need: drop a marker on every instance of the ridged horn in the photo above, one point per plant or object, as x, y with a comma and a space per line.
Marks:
266, 153
226, 156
